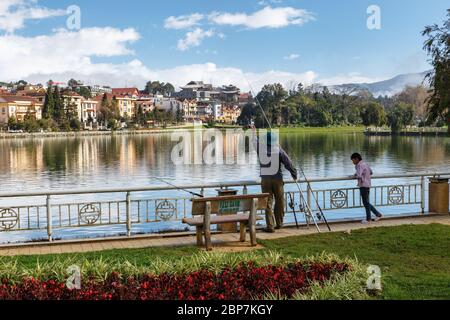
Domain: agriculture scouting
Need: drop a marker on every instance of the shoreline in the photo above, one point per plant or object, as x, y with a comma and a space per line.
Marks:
76, 134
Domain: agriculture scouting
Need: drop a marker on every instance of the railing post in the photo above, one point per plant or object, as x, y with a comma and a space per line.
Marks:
422, 194
128, 214
49, 219
309, 196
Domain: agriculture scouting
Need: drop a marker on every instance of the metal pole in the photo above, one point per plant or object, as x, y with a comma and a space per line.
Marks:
49, 219
422, 194
128, 214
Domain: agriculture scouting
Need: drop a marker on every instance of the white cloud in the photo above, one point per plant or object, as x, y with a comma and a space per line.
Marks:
352, 77
183, 22
61, 51
265, 18
14, 13
194, 39
292, 56
65, 54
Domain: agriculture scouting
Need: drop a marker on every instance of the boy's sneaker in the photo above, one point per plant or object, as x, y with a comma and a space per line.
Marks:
268, 230
378, 218
365, 222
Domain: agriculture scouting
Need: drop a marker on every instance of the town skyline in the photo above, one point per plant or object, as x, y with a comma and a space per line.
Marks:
302, 41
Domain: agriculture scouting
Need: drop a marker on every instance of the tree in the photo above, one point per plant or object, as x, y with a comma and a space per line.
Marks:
373, 114
416, 96
139, 117
155, 87
247, 114
49, 104
13, 124
438, 47
73, 84
400, 115
179, 116
30, 124
58, 107
84, 92
271, 97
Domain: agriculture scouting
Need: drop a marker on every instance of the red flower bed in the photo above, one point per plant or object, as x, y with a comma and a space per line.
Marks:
243, 283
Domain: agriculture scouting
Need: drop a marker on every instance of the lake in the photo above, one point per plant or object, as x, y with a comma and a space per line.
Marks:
100, 162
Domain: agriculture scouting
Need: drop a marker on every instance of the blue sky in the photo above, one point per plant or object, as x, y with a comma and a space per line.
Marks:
321, 40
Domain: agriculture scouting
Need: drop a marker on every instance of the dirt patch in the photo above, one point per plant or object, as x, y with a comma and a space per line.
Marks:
235, 247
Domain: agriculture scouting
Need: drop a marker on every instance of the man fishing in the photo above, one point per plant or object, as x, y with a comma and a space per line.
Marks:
271, 156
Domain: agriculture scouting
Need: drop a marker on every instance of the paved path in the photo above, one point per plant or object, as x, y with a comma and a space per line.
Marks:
223, 242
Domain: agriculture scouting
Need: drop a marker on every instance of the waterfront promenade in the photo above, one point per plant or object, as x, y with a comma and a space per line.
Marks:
225, 242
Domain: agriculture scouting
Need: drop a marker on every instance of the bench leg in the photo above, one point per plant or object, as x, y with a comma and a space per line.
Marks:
199, 236
208, 244
252, 222
207, 226
243, 227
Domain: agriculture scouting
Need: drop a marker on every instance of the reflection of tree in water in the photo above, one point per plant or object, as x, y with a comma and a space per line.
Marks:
323, 146
58, 153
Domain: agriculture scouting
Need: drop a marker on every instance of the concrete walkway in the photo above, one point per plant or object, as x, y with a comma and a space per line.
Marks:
228, 242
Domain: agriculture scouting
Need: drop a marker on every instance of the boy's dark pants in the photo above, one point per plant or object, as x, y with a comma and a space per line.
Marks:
365, 195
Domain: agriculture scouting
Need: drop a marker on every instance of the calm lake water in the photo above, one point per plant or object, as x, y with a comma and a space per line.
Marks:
133, 161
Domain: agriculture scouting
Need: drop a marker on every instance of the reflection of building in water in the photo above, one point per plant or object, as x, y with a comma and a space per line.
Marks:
22, 158
85, 157
127, 158
150, 152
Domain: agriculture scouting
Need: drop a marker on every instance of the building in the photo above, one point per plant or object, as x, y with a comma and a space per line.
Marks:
131, 92
73, 98
230, 114
19, 107
39, 96
199, 91
89, 111
230, 94
245, 98
204, 112
100, 90
146, 103
125, 104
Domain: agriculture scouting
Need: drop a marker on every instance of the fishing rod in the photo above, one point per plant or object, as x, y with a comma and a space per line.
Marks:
179, 188
292, 206
322, 215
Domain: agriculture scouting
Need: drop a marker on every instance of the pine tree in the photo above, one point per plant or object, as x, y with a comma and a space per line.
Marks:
49, 104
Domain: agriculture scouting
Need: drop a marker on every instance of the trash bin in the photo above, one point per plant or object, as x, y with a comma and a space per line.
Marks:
227, 227
438, 195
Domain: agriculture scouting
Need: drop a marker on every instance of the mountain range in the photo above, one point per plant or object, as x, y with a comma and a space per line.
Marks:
388, 87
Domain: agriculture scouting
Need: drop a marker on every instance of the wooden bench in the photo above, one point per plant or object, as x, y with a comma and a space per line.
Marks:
208, 211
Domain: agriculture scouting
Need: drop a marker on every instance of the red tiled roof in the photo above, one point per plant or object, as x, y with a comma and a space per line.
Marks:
125, 91
11, 98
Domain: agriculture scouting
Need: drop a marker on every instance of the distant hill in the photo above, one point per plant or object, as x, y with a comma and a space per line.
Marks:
388, 87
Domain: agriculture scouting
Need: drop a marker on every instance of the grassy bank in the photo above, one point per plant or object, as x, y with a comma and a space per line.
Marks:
414, 260
345, 129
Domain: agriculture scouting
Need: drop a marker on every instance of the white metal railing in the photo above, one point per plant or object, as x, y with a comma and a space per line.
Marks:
132, 206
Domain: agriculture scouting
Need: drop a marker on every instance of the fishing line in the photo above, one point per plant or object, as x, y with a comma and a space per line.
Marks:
179, 188
300, 167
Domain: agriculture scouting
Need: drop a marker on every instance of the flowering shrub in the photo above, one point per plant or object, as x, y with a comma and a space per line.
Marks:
244, 281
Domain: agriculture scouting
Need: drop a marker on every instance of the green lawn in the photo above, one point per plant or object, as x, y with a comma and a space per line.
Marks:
415, 260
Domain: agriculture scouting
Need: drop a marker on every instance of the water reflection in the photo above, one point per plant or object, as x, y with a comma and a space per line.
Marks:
126, 161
